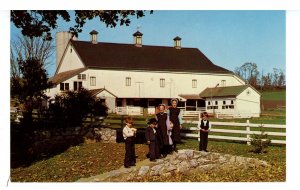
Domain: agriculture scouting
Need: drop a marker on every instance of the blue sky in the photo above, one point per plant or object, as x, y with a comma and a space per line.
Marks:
227, 38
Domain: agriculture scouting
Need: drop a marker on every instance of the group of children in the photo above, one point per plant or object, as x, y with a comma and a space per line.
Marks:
162, 134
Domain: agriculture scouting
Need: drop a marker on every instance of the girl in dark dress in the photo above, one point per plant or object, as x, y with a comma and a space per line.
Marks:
175, 118
162, 130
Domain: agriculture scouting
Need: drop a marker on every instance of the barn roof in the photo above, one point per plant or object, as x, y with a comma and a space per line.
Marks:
227, 91
60, 77
95, 92
115, 56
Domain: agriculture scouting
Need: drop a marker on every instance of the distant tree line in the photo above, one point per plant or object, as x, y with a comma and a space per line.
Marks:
261, 81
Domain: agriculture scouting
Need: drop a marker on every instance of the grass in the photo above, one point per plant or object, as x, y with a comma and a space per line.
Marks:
96, 158
279, 95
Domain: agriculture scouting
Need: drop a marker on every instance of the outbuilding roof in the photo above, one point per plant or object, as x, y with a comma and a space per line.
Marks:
223, 91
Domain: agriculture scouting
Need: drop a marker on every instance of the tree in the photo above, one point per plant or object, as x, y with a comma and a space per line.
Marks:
281, 79
38, 23
29, 87
249, 72
24, 48
267, 81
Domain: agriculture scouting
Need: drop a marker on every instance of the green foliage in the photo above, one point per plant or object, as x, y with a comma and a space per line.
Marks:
37, 23
72, 107
260, 142
29, 87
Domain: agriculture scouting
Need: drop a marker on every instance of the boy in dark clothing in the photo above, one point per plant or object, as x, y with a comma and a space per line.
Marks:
204, 126
151, 138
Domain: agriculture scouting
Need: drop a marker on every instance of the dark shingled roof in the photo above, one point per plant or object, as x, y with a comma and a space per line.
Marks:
223, 91
60, 77
153, 58
190, 96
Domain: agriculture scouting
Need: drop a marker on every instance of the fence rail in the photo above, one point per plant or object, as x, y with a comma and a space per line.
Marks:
246, 132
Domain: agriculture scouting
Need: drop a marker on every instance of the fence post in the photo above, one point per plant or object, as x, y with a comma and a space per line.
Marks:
248, 133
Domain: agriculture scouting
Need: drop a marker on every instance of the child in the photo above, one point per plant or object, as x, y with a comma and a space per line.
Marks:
162, 129
129, 134
175, 118
151, 138
204, 126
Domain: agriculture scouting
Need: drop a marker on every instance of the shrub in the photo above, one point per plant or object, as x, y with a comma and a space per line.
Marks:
260, 142
72, 107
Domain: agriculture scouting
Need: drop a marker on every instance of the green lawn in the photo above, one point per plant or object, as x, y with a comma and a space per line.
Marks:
279, 95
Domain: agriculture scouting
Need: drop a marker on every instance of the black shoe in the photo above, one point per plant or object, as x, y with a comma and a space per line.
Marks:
132, 164
175, 149
126, 166
148, 155
206, 150
154, 160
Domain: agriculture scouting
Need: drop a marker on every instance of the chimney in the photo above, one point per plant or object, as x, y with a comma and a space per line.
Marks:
137, 39
62, 40
177, 42
94, 36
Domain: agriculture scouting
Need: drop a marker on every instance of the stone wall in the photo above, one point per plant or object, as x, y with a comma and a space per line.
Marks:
181, 162
32, 145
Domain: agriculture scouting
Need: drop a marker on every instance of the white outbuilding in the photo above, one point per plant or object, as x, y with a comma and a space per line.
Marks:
241, 101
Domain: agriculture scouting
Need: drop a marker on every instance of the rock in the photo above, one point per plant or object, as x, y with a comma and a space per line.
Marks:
156, 170
240, 160
193, 163
171, 168
143, 170
189, 153
182, 156
183, 166
175, 162
232, 159
203, 161
157, 167
196, 156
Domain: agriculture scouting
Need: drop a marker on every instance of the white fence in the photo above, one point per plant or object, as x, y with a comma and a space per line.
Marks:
129, 110
246, 132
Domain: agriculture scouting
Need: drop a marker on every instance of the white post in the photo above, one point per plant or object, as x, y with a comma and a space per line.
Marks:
198, 135
248, 133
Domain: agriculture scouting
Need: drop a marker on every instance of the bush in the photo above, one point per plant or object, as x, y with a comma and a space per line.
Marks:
72, 107
260, 142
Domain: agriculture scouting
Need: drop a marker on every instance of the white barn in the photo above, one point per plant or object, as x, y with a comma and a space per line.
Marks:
134, 78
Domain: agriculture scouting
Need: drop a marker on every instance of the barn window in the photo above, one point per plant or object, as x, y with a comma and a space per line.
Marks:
194, 83
224, 102
231, 101
77, 85
64, 86
128, 81
208, 102
223, 83
81, 76
162, 83
93, 81
216, 102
